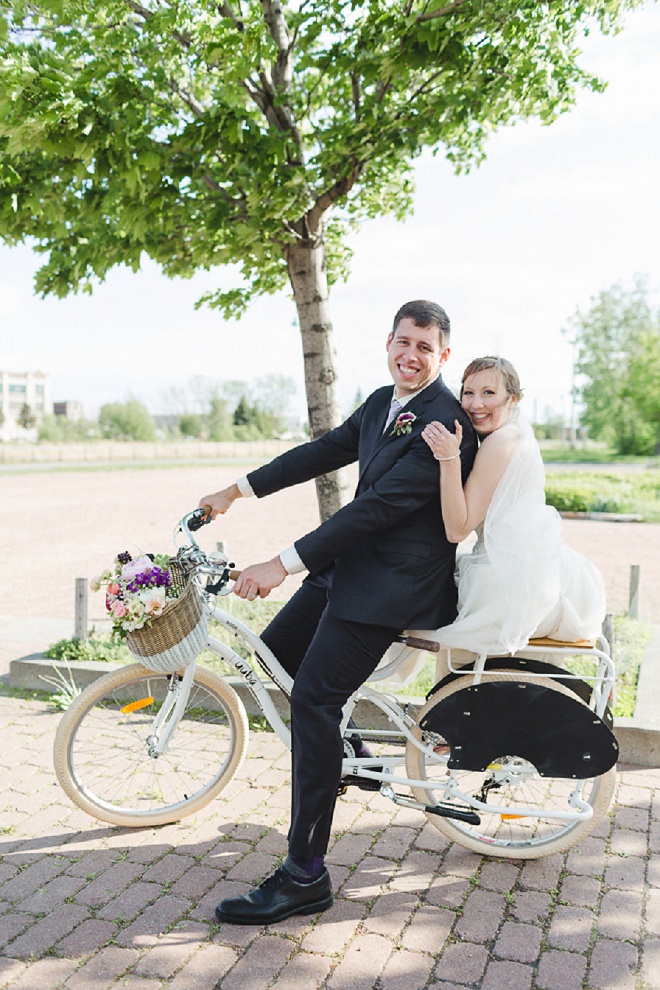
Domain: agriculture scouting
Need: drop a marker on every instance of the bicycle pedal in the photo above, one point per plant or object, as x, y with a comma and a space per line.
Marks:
364, 783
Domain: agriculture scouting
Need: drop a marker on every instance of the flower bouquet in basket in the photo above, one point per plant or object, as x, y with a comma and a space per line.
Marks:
156, 607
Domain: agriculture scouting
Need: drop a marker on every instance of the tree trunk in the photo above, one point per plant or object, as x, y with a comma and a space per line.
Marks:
306, 265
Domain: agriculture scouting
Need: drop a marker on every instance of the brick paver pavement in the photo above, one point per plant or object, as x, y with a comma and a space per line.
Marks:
85, 906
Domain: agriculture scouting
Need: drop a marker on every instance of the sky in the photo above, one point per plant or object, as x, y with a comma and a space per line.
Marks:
552, 217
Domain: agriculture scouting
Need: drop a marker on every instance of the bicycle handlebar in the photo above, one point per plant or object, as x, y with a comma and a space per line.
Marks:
200, 517
190, 523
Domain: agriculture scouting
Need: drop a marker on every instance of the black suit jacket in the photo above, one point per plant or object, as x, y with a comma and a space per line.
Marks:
392, 563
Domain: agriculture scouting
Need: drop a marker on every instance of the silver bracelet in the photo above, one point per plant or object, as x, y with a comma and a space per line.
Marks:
453, 458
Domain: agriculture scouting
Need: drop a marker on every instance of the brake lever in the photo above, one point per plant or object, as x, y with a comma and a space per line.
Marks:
228, 574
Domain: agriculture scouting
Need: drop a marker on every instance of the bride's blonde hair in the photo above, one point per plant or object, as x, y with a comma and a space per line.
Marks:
505, 368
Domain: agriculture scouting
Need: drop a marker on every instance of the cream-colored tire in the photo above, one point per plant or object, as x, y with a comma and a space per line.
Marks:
101, 751
518, 784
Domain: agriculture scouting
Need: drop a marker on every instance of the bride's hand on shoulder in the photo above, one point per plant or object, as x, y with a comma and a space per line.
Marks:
443, 444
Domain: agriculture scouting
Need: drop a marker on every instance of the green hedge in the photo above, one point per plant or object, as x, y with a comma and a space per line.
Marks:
624, 492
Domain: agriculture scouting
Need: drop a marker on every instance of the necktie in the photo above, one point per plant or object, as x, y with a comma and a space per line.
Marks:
395, 409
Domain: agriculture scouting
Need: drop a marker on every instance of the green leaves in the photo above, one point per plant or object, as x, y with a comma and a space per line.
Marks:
618, 357
207, 134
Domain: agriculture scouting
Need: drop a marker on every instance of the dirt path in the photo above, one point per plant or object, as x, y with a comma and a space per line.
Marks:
57, 526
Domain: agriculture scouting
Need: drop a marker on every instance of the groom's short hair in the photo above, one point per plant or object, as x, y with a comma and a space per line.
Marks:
425, 313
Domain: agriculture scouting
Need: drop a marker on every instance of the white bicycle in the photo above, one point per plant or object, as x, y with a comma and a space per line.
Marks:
510, 756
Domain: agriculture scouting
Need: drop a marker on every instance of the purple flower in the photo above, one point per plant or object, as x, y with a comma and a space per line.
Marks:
151, 577
403, 424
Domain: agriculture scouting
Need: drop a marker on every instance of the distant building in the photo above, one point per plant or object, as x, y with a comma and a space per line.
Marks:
19, 389
71, 410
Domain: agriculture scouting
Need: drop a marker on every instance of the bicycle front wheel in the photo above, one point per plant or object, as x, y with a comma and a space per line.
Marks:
103, 757
510, 782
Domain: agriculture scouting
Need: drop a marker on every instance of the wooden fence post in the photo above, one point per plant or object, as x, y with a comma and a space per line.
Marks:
80, 629
633, 592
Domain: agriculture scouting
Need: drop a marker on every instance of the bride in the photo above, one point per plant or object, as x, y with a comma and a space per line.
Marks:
521, 580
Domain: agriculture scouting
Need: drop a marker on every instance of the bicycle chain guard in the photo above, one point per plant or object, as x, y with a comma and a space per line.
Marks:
554, 732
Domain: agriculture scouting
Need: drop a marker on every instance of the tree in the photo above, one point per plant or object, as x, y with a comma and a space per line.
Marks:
273, 395
552, 427
618, 355
219, 405
190, 424
219, 419
26, 418
644, 371
252, 420
126, 421
60, 429
206, 133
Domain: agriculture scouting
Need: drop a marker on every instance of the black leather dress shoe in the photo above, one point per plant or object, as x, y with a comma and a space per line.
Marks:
276, 898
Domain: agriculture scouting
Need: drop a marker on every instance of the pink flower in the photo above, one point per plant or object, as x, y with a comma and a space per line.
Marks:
114, 588
118, 609
136, 566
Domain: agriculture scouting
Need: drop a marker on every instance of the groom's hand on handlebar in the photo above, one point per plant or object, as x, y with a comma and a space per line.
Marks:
221, 501
258, 580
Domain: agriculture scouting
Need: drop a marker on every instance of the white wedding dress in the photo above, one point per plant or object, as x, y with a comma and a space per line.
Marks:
520, 580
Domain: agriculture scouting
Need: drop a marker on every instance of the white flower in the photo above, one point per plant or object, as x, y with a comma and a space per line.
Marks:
153, 600
95, 584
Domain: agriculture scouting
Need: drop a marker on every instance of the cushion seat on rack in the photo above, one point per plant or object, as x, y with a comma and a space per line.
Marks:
580, 644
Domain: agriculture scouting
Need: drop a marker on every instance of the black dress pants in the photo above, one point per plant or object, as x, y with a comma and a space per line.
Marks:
329, 658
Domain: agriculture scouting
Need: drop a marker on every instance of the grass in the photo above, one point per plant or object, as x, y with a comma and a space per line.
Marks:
593, 455
66, 689
630, 639
255, 614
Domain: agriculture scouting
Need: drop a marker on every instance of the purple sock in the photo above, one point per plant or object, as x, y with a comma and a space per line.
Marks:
303, 870
360, 748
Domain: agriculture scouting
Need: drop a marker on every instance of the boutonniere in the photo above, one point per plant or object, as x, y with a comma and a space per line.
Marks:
403, 424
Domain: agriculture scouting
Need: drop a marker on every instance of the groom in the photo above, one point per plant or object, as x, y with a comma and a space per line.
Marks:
381, 564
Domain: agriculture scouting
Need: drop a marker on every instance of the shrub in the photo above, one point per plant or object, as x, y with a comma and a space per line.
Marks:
605, 492
103, 649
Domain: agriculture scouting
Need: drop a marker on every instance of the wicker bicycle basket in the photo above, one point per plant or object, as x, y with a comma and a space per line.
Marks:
179, 634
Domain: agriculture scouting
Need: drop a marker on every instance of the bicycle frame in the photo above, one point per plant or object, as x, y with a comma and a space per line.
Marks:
603, 679
351, 766
257, 687
397, 716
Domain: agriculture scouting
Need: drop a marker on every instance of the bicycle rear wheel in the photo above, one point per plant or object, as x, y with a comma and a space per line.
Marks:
102, 749
511, 782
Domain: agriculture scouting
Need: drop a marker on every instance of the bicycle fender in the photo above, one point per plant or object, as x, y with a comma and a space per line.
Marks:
559, 735
529, 665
